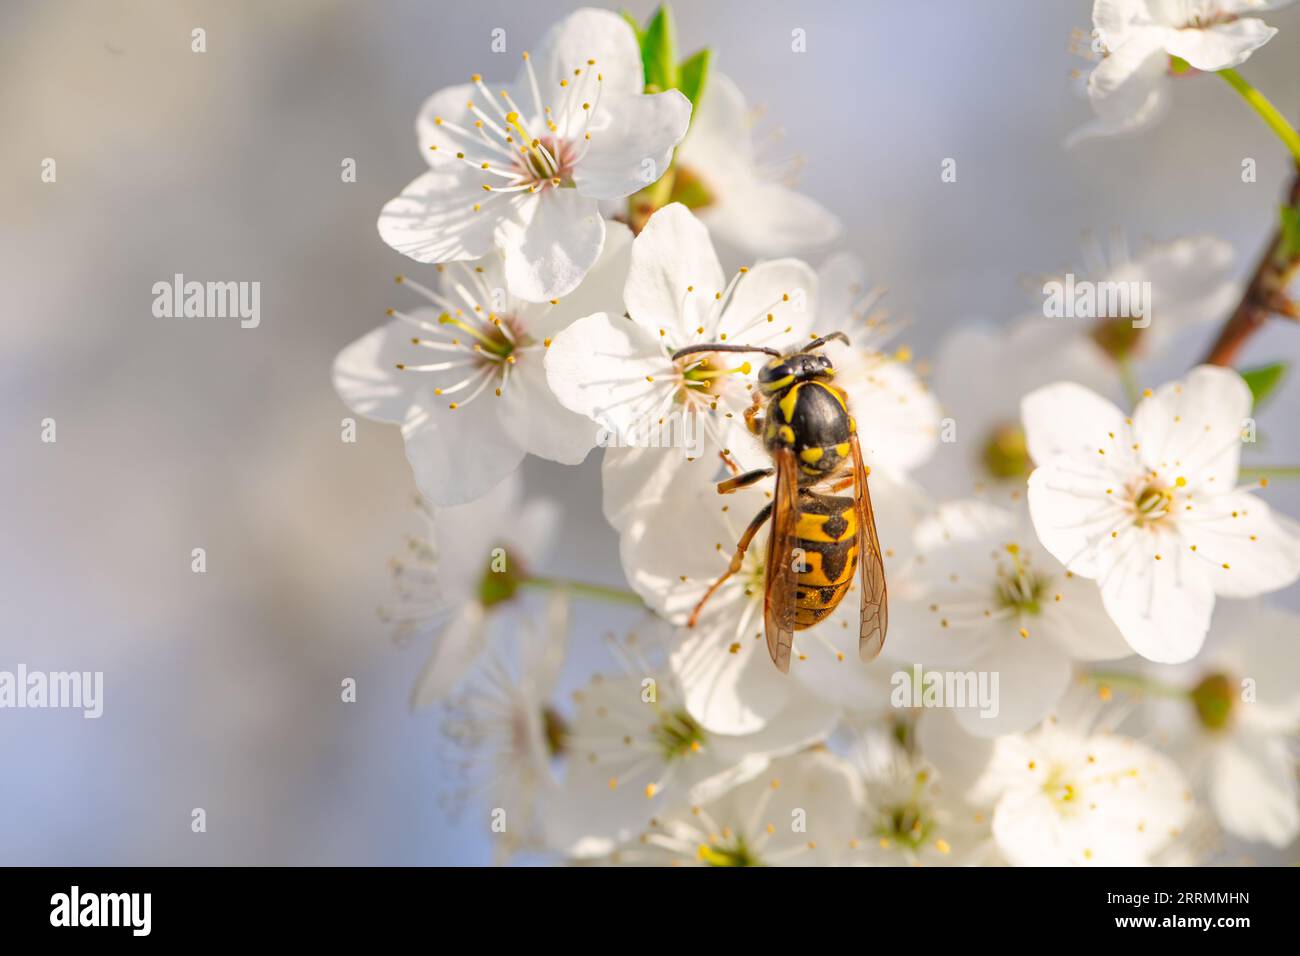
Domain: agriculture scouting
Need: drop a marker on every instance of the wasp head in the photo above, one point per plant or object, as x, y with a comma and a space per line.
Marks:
780, 374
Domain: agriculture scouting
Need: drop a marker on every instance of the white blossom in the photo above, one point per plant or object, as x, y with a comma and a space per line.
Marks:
464, 377
1149, 506
1129, 87
524, 168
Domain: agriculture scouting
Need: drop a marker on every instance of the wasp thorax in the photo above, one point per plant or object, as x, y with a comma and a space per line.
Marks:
1213, 700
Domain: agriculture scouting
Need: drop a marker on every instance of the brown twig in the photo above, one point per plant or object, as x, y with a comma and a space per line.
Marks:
1264, 296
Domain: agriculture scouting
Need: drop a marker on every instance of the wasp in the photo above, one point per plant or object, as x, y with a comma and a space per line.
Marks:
818, 539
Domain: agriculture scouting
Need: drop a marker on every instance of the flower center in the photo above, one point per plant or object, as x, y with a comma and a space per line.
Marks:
690, 190
1019, 587
525, 152
1061, 790
1006, 453
1213, 699
547, 161
1152, 503
733, 853
705, 375
1117, 336
480, 346
908, 824
677, 735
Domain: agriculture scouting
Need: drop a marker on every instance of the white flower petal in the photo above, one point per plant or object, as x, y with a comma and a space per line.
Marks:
1033, 674
841, 283
366, 375
1161, 606
826, 662
1247, 549
456, 649
1078, 621
634, 146
674, 275
531, 531
1221, 46
458, 455
434, 219
550, 243
1192, 428
1124, 804
610, 369
583, 35
600, 291
1112, 19
1253, 639
721, 133
634, 480
530, 414
807, 719
1128, 89
1253, 789
728, 693
897, 416
1074, 518
786, 290
1068, 418
451, 106
814, 786
768, 219
943, 742
474, 529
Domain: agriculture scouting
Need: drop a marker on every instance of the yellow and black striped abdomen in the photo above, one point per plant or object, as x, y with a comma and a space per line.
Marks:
827, 534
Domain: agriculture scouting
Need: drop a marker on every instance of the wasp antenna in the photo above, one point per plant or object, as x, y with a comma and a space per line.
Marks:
818, 343
724, 347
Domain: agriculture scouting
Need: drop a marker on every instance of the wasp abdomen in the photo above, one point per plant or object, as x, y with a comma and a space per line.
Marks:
827, 536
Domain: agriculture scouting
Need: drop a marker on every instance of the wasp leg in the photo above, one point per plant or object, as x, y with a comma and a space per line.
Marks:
729, 462
737, 482
752, 420
737, 559
845, 482
842, 484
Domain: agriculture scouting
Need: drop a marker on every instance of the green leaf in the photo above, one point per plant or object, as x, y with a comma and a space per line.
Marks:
1264, 380
659, 52
692, 74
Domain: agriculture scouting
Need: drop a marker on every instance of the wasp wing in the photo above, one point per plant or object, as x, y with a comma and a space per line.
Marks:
871, 565
781, 579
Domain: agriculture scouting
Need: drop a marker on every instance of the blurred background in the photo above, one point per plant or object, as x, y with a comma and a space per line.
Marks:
222, 690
